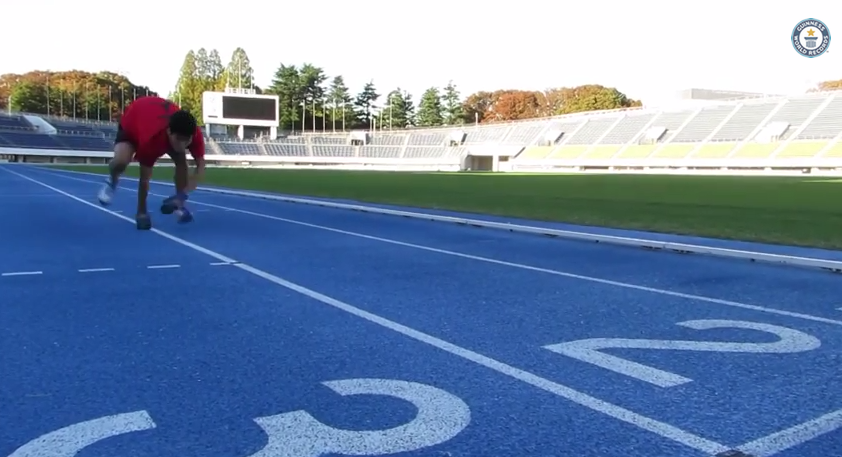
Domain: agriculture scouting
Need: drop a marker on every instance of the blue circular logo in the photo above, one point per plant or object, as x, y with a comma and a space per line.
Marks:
810, 38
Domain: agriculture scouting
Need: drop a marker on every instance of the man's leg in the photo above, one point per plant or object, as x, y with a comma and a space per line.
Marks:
142, 219
143, 188
123, 153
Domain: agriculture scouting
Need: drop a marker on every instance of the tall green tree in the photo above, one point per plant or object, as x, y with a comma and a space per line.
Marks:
365, 103
188, 89
239, 72
216, 70
204, 80
286, 84
430, 109
312, 79
399, 111
340, 103
207, 78
453, 112
29, 97
202, 65
409, 108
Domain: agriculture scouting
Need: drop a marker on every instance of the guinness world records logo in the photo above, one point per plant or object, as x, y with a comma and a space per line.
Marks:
810, 38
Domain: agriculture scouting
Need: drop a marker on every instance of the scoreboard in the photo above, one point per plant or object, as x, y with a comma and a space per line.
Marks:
224, 108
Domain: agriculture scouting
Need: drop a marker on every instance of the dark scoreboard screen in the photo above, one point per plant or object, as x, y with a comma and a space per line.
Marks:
249, 108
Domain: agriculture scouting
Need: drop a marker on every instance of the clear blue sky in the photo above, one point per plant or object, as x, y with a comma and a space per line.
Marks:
646, 48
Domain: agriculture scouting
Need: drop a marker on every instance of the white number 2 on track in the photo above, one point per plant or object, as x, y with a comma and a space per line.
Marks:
589, 350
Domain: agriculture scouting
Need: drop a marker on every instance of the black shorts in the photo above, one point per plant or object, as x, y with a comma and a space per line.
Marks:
123, 137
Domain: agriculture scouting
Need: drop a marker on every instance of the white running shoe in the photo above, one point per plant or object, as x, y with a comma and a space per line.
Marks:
106, 194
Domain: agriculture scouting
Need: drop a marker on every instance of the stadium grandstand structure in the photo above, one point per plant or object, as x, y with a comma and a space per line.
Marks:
766, 135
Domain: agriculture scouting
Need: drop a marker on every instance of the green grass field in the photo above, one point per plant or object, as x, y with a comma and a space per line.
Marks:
785, 210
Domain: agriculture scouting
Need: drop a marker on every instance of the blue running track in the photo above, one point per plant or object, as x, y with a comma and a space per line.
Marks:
269, 329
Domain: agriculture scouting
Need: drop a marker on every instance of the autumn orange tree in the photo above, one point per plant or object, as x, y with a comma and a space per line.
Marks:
512, 105
74, 94
830, 85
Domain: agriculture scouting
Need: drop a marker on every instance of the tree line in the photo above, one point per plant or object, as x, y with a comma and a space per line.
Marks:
311, 99
103, 96
308, 97
74, 94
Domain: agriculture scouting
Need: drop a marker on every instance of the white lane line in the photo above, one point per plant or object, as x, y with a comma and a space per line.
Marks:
617, 412
793, 436
104, 270
607, 282
22, 273
162, 267
25, 196
95, 270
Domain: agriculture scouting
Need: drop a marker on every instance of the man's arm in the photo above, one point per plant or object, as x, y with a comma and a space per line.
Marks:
182, 175
198, 174
197, 150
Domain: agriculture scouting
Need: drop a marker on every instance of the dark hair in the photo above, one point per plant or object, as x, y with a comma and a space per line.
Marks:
182, 123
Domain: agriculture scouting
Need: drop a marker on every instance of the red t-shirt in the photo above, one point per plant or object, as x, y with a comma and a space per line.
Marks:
145, 123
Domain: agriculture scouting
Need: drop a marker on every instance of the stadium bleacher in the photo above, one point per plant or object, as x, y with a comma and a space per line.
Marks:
18, 132
807, 126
